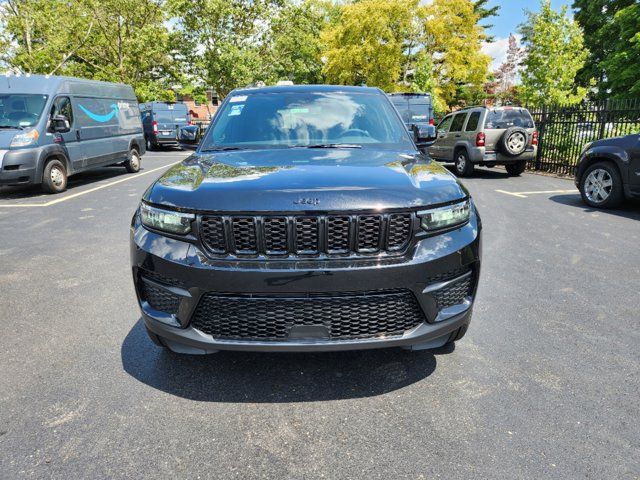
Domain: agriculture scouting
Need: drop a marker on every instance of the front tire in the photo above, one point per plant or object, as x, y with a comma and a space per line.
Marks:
516, 169
54, 177
601, 186
133, 162
464, 167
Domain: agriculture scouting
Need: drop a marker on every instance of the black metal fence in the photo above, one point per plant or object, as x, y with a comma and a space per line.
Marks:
564, 130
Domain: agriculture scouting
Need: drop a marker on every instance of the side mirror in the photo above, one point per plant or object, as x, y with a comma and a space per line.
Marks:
189, 137
60, 124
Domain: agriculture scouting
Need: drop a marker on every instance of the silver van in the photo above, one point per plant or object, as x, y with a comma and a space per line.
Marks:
52, 127
487, 137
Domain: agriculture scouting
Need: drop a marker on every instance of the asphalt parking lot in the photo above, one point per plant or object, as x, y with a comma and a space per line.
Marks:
544, 385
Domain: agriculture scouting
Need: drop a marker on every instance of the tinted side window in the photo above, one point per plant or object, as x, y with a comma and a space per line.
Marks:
445, 124
458, 122
472, 123
62, 106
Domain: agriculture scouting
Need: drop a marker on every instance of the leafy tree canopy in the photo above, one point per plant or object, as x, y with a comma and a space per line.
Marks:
555, 52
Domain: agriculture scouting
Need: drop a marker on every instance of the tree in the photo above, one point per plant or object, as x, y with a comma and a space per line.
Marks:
555, 53
295, 49
453, 37
484, 12
506, 74
601, 37
113, 40
222, 43
366, 44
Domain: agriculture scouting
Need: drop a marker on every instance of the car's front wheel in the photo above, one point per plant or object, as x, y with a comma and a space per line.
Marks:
133, 163
464, 167
601, 186
517, 168
54, 177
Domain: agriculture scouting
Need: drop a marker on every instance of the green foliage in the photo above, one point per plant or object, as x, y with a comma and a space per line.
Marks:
622, 64
425, 81
453, 38
365, 45
602, 37
113, 40
555, 53
222, 42
295, 50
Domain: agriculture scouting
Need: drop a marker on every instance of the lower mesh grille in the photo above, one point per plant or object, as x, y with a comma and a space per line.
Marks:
454, 293
159, 298
347, 316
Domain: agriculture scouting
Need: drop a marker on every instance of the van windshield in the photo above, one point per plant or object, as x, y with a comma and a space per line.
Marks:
307, 119
21, 110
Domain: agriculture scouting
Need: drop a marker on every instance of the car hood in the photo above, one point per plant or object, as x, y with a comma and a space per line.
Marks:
305, 179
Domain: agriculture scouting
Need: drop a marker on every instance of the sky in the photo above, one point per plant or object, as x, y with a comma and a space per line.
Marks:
510, 16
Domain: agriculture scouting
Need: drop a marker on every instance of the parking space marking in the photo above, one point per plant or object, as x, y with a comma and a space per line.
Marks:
526, 194
90, 190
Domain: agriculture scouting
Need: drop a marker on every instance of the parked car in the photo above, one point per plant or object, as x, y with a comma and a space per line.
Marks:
162, 121
416, 110
609, 170
54, 127
486, 137
306, 220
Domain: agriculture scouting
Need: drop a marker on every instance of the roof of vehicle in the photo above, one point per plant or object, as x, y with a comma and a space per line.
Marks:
51, 85
409, 94
501, 107
305, 89
162, 104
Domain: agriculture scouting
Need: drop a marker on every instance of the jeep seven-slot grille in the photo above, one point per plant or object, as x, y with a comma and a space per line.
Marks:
332, 235
344, 316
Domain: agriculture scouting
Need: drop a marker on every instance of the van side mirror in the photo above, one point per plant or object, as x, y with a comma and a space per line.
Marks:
60, 124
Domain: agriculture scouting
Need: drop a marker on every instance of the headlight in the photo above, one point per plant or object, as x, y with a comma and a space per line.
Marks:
25, 138
445, 217
166, 220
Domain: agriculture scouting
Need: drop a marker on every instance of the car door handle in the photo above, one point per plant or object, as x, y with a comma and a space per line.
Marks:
77, 134
458, 136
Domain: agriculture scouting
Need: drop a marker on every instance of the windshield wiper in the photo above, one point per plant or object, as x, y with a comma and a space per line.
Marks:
329, 145
12, 126
221, 149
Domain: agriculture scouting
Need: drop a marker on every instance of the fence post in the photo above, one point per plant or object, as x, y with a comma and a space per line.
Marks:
602, 117
543, 122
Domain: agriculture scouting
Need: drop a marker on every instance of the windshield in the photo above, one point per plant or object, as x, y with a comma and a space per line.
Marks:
499, 119
21, 110
301, 119
413, 109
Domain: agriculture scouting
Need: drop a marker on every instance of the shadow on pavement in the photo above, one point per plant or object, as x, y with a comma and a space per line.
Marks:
78, 180
482, 173
629, 209
274, 377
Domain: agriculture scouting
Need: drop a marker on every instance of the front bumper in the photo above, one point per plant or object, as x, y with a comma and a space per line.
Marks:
19, 167
421, 271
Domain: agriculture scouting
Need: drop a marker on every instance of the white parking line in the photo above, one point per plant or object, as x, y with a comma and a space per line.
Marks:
84, 192
526, 194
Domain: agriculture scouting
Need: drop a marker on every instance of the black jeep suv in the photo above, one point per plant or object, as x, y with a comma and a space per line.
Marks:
306, 220
609, 170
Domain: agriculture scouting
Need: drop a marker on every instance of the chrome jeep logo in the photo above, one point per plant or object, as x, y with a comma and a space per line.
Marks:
307, 201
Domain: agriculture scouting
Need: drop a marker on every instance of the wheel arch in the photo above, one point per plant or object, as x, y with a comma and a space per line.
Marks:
596, 157
49, 154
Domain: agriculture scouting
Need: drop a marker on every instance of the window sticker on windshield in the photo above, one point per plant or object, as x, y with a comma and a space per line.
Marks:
236, 110
418, 117
238, 98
